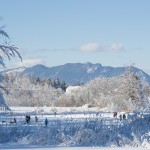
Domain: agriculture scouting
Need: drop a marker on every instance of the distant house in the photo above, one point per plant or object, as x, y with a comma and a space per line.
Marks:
71, 88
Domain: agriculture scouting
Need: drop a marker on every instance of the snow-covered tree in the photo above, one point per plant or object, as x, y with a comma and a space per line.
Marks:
122, 93
6, 50
27, 91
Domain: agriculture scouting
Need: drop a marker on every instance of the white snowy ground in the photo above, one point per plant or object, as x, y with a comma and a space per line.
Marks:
62, 113
22, 147
77, 114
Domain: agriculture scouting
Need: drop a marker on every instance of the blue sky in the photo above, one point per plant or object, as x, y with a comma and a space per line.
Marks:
54, 32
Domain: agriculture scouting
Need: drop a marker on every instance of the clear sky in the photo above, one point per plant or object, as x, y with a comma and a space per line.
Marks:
54, 32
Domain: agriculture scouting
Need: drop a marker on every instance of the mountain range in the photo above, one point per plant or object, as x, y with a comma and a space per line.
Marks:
79, 72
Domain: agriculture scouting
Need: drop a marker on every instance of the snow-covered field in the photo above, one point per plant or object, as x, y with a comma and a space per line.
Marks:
22, 147
73, 128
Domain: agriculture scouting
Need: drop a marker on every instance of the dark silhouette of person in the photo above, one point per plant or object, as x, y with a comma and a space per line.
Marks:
15, 121
46, 122
124, 116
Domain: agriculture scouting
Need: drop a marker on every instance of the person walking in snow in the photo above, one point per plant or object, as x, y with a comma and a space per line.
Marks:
124, 117
27, 119
115, 114
120, 117
46, 122
15, 121
36, 119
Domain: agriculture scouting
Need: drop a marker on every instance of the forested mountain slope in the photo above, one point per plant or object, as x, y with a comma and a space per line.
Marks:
80, 72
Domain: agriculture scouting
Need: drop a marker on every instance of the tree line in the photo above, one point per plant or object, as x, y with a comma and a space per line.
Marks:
126, 92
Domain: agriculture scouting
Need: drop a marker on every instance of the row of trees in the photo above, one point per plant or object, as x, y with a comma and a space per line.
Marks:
123, 93
27, 91
126, 92
56, 83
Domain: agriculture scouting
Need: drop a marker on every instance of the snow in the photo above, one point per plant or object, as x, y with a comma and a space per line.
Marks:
25, 147
73, 128
91, 69
71, 88
15, 70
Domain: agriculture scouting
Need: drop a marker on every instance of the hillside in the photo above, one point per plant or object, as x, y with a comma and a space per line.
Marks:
80, 72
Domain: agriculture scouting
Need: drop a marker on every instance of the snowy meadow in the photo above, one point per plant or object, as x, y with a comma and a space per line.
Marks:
73, 127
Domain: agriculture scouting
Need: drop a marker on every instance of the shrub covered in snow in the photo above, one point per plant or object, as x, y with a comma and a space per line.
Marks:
87, 133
